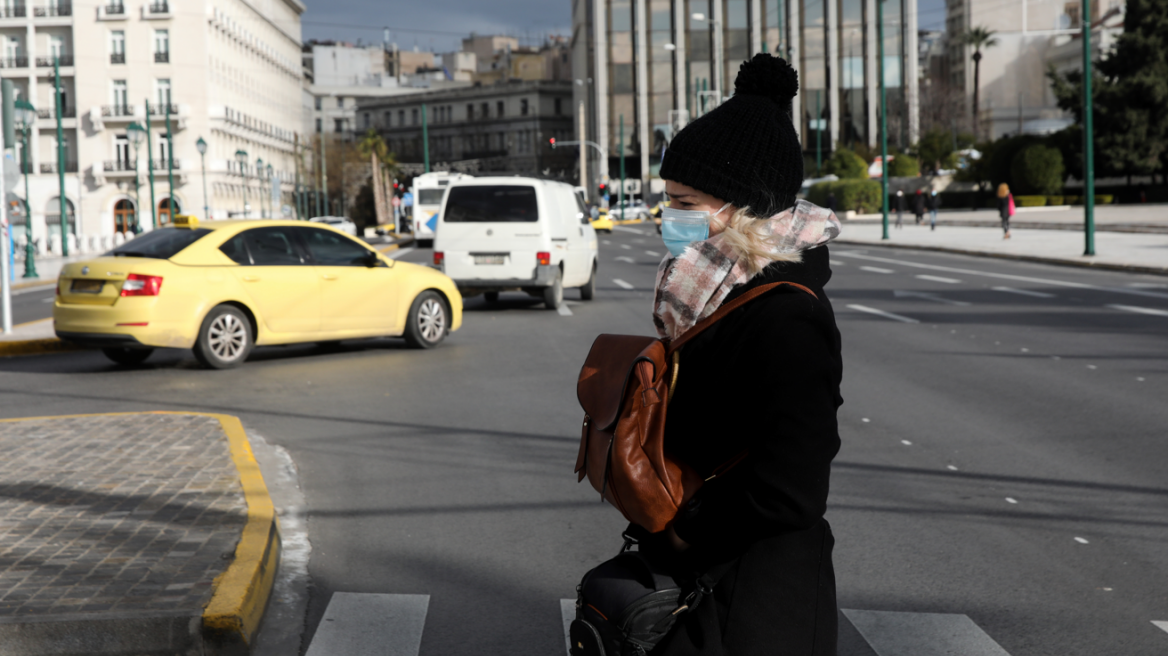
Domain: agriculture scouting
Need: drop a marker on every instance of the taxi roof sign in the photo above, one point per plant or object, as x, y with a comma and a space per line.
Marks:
186, 221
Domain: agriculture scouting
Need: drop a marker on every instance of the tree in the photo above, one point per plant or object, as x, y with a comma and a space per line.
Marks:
934, 148
978, 38
845, 165
904, 166
1130, 94
1037, 169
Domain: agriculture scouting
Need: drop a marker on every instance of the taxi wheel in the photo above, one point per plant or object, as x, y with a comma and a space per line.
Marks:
588, 291
127, 355
491, 297
225, 340
428, 321
553, 297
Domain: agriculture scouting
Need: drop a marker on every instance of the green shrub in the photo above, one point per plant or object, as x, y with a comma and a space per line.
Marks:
860, 196
1100, 199
1030, 201
904, 166
1037, 169
846, 165
1054, 200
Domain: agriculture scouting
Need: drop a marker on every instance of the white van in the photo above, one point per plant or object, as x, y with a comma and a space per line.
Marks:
516, 234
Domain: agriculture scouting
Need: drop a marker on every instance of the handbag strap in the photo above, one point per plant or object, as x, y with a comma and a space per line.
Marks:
727, 308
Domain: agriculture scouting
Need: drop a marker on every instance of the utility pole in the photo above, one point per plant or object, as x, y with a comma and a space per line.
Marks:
583, 154
818, 133
170, 163
1088, 137
60, 157
883, 120
425, 141
621, 150
150, 171
7, 137
324, 174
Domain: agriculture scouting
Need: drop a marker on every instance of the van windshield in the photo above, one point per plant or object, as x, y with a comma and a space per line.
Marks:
482, 204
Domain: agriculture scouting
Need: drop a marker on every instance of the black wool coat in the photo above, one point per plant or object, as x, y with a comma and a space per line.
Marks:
764, 380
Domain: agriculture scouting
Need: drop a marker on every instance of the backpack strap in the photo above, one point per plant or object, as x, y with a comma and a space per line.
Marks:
727, 308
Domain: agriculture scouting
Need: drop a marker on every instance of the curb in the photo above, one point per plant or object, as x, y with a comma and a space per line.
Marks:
393, 247
1082, 264
42, 346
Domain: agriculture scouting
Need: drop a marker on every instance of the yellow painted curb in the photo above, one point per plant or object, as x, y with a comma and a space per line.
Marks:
41, 346
241, 592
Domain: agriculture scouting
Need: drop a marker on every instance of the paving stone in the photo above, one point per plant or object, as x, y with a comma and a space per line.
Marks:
119, 513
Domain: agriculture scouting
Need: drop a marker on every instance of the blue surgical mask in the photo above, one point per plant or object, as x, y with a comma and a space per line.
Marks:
680, 228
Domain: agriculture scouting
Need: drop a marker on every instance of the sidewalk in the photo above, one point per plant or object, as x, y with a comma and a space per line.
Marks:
1142, 252
1108, 218
142, 533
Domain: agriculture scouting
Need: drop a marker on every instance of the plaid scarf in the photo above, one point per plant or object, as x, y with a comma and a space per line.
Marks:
693, 286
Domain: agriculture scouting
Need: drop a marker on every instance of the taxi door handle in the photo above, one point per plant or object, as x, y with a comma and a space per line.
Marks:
328, 276
251, 278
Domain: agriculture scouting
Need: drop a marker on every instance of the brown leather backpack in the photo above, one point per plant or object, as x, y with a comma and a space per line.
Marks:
625, 386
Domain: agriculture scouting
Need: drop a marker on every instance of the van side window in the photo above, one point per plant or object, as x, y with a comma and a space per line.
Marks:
491, 204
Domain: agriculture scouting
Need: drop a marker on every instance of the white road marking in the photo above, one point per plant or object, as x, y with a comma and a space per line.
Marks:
1139, 379
626, 247
1005, 276
1011, 500
564, 311
951, 467
622, 284
927, 296
626, 258
1023, 292
1162, 625
606, 242
913, 634
1147, 285
882, 313
876, 269
1091, 366
393, 255
1081, 540
48, 300
627, 229
652, 253
1140, 310
865, 420
567, 614
837, 263
951, 281
358, 624
906, 442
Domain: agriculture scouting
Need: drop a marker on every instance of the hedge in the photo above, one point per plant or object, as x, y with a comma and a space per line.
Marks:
846, 165
1029, 201
1054, 200
1037, 169
904, 166
861, 196
1100, 199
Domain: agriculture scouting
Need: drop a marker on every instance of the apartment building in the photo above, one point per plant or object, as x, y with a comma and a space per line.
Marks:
224, 71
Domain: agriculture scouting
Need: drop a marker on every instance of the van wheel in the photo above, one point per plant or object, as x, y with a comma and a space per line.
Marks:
127, 355
225, 339
589, 289
428, 321
491, 297
553, 296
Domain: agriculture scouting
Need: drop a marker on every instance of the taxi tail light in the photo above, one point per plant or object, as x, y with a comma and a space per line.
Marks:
544, 257
439, 258
137, 284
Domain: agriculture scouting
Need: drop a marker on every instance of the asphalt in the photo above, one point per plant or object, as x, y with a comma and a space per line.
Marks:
443, 478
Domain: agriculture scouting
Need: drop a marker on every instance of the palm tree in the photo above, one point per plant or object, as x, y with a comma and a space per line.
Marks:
978, 38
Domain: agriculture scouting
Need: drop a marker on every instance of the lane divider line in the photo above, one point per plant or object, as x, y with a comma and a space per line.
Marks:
1162, 625
950, 281
1140, 310
1023, 292
370, 623
882, 313
564, 311
622, 284
873, 269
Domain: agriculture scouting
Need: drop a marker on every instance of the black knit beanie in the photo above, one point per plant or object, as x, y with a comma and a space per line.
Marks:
745, 151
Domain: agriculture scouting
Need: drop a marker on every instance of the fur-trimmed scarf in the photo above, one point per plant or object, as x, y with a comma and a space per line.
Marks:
693, 285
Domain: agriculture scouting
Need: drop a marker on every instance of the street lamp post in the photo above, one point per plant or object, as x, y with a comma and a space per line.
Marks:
271, 194
136, 134
260, 177
883, 120
241, 157
1088, 138
716, 25
150, 169
25, 117
57, 93
202, 147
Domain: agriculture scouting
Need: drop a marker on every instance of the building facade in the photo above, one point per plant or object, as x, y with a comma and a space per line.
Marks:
219, 70
502, 128
653, 65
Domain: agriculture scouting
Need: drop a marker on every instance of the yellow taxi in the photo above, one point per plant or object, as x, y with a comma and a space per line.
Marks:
602, 223
221, 288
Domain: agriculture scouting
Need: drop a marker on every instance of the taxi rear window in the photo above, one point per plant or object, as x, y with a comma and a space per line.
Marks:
163, 243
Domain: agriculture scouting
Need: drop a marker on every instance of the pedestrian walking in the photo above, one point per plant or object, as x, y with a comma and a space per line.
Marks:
1005, 208
899, 209
934, 205
734, 224
919, 206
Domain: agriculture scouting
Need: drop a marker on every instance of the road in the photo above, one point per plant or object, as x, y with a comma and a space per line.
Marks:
1002, 464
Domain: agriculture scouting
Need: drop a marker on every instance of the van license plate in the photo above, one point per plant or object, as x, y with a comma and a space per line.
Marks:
492, 258
82, 286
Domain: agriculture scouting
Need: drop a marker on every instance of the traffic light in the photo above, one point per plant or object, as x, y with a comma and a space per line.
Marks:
603, 189
552, 141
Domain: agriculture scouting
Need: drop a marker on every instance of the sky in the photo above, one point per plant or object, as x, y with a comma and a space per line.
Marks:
441, 24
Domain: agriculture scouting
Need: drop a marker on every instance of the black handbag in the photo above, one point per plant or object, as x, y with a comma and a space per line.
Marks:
626, 605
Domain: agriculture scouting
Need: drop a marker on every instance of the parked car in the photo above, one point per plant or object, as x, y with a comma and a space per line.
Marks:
338, 222
602, 223
223, 287
516, 234
631, 210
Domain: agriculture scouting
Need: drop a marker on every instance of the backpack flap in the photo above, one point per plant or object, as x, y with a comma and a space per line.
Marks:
605, 375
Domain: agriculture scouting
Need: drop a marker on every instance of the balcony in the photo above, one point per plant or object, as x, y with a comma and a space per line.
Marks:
117, 166
58, 9
13, 62
115, 111
115, 10
117, 57
15, 11
47, 62
70, 167
160, 164
162, 57
159, 8
160, 110
68, 112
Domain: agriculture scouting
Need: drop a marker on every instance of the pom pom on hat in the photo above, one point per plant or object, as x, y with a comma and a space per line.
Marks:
770, 77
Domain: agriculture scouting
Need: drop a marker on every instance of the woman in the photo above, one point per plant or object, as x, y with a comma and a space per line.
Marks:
764, 380
1005, 208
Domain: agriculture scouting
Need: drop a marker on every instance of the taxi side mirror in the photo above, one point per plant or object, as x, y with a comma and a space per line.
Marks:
371, 260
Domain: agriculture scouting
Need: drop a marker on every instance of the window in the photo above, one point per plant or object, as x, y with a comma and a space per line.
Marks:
318, 102
120, 96
414, 116
486, 109
162, 46
236, 249
56, 45
559, 106
483, 204
365, 121
12, 48
340, 102
385, 119
499, 108
330, 249
338, 125
162, 85
163, 243
117, 47
401, 117
122, 151
523, 107
318, 126
469, 112
271, 247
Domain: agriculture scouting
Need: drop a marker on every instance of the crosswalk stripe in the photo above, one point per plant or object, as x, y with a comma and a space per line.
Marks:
356, 624
1162, 625
919, 634
1140, 310
882, 313
568, 613
622, 284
